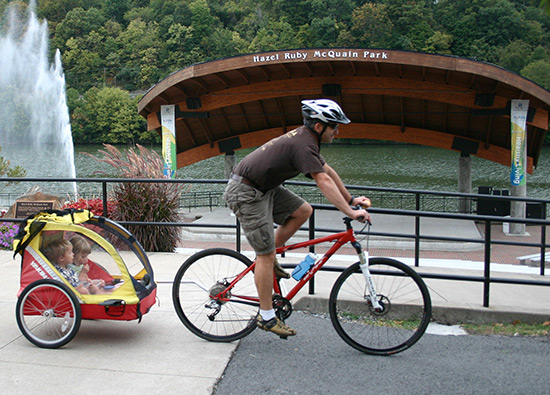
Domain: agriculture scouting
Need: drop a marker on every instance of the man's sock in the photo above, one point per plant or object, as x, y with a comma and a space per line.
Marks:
267, 314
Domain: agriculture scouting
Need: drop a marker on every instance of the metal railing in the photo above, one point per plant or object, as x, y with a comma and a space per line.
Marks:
210, 199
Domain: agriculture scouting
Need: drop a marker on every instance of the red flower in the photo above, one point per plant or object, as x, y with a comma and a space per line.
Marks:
94, 205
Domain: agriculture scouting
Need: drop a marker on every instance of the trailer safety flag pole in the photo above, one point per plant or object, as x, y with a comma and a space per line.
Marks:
519, 110
168, 122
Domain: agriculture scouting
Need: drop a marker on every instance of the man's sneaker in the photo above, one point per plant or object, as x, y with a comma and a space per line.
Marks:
276, 326
279, 271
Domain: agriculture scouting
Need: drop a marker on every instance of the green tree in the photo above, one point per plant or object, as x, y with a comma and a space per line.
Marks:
226, 43
115, 9
297, 11
439, 43
108, 115
82, 61
539, 53
413, 23
179, 47
7, 170
78, 23
325, 32
279, 35
139, 48
56, 10
341, 11
539, 72
370, 26
202, 20
515, 56
500, 23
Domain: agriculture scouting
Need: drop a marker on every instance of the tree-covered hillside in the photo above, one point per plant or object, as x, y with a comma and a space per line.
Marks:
110, 47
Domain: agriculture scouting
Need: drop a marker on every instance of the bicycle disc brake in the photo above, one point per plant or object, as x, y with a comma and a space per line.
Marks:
384, 303
282, 307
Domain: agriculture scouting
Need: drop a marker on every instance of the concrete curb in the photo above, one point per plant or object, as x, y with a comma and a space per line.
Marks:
447, 315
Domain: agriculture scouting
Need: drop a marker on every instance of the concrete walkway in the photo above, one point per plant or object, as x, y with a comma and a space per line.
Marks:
161, 356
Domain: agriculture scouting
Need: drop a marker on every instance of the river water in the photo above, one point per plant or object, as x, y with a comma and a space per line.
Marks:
391, 166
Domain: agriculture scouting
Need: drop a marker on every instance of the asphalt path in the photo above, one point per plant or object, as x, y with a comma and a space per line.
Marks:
317, 361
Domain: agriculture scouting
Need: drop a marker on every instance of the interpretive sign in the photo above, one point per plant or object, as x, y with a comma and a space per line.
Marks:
23, 209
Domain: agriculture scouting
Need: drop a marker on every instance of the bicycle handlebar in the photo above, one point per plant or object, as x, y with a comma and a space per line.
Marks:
348, 220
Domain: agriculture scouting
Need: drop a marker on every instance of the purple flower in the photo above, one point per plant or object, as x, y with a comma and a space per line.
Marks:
8, 230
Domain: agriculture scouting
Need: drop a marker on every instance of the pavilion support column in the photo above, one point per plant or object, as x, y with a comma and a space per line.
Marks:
464, 182
229, 164
518, 210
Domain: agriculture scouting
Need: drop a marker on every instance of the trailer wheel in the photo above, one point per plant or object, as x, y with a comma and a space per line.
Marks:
48, 313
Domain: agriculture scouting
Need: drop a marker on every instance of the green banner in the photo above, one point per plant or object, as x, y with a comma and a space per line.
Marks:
519, 140
168, 122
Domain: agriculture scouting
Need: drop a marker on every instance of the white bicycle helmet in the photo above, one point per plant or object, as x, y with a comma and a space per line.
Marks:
324, 110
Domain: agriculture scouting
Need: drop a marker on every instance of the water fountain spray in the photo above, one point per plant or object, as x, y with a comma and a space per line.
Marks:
34, 116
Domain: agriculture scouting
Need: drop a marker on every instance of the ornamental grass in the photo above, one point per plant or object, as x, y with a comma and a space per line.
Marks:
143, 202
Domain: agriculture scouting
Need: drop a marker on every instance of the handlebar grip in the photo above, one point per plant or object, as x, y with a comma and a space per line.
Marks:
361, 219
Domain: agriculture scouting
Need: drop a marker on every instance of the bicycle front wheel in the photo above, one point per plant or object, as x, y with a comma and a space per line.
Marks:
402, 320
207, 301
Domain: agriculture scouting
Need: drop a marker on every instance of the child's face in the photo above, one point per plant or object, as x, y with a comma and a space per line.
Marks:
80, 258
66, 258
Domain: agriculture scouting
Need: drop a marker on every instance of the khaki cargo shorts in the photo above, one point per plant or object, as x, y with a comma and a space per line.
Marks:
257, 211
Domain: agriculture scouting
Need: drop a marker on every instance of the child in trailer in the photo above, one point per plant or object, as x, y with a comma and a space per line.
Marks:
81, 251
88, 270
60, 253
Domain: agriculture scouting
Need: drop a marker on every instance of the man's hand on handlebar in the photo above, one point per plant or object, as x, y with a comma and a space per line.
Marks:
361, 201
361, 215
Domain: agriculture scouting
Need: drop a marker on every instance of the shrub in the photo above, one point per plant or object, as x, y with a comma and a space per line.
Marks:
144, 202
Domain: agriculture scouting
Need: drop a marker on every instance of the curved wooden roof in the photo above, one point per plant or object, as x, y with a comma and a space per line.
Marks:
434, 100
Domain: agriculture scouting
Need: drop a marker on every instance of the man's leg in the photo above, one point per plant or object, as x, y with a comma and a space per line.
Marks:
285, 231
263, 276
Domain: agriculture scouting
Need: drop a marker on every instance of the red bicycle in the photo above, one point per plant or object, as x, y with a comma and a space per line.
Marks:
378, 306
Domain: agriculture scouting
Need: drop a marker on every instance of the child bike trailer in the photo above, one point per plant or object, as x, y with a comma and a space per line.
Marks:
115, 282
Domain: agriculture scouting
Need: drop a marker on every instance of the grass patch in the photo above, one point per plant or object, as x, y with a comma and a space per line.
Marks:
516, 328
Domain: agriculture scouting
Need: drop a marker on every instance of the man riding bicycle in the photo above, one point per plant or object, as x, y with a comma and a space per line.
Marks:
256, 195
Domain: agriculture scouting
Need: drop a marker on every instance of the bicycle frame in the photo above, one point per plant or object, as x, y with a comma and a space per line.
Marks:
338, 240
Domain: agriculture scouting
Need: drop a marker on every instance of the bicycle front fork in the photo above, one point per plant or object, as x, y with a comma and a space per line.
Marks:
364, 265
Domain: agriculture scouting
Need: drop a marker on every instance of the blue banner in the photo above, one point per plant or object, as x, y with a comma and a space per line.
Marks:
519, 140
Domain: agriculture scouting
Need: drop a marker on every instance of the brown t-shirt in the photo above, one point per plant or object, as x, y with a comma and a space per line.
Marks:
282, 158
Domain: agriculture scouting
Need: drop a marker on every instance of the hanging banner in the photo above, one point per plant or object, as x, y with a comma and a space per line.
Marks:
168, 122
519, 139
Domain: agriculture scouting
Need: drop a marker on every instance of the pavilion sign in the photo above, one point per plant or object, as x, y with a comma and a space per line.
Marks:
318, 54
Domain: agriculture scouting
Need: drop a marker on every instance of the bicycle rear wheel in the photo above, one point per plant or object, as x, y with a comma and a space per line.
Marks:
203, 305
406, 306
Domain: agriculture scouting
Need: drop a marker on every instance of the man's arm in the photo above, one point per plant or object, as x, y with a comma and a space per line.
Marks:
338, 182
333, 188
